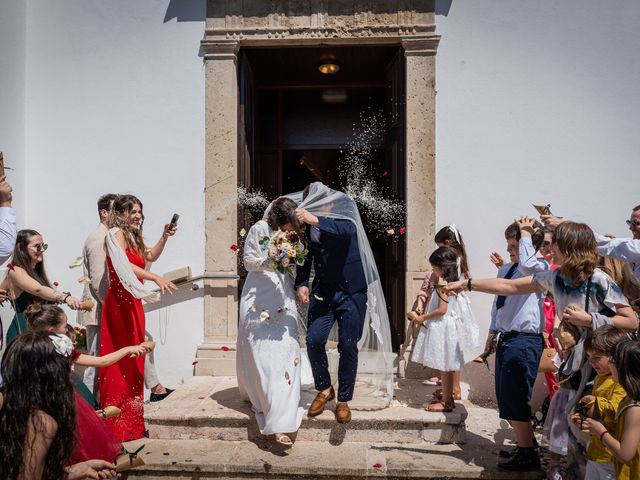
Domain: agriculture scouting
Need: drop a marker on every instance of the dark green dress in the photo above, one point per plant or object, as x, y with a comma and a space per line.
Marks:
19, 323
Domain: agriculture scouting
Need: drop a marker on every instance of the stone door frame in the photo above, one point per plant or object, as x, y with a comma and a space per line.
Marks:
234, 24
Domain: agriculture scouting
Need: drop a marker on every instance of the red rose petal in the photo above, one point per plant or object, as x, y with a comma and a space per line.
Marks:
402, 230
194, 362
10, 266
234, 248
385, 173
55, 284
377, 465
224, 349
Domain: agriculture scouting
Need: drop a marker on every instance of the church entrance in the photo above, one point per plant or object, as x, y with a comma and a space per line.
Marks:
330, 114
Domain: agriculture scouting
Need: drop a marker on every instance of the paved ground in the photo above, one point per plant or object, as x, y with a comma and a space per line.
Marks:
260, 457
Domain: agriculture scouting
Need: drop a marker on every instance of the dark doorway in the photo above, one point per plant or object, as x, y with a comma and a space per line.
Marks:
296, 126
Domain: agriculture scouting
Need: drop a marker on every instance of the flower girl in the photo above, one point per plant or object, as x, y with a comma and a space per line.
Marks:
449, 328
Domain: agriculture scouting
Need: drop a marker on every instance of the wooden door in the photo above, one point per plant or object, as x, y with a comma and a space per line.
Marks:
246, 143
395, 163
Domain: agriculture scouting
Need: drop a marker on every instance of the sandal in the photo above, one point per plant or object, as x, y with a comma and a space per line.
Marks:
440, 407
283, 439
438, 394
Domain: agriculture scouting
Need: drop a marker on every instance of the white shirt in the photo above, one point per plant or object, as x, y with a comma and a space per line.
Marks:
8, 233
520, 313
627, 249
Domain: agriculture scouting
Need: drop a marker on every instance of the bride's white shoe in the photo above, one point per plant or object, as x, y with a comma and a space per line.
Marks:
283, 439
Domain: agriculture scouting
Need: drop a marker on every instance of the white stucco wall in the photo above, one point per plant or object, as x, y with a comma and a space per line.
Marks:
537, 103
12, 92
115, 103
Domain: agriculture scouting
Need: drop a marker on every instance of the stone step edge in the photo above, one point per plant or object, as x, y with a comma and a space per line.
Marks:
389, 416
355, 424
191, 470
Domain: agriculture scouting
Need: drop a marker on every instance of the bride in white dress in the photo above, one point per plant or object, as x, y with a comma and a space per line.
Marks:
268, 359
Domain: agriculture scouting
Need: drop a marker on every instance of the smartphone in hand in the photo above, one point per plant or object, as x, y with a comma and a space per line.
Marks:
173, 222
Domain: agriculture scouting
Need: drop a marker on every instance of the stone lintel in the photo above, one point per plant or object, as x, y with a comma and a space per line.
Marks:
371, 35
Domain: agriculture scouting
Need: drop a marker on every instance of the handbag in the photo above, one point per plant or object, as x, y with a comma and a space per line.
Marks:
549, 353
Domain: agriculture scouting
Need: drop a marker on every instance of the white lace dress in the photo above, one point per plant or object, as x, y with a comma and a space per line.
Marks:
446, 342
268, 359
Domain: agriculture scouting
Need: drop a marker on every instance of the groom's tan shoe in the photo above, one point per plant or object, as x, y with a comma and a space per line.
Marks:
317, 406
343, 412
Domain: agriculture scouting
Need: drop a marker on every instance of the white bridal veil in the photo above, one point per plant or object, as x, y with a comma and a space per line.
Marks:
375, 359
124, 270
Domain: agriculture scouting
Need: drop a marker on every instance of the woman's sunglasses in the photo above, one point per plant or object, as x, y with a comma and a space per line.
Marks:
40, 247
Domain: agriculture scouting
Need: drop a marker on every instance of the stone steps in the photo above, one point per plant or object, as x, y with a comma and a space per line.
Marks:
204, 430
210, 408
262, 459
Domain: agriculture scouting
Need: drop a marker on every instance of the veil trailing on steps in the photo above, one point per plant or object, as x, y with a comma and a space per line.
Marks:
375, 358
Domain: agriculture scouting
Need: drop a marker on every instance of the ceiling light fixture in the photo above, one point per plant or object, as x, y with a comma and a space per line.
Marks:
329, 67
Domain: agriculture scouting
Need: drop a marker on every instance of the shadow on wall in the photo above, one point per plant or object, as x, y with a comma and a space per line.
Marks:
443, 7
186, 11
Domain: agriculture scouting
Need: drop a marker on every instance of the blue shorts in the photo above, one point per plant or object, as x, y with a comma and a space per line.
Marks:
517, 359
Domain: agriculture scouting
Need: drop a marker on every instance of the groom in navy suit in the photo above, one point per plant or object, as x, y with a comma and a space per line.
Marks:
338, 293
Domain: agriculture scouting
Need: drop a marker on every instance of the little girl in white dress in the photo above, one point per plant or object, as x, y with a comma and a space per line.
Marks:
448, 329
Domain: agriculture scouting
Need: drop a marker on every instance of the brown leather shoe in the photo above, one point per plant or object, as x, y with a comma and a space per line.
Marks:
318, 404
343, 412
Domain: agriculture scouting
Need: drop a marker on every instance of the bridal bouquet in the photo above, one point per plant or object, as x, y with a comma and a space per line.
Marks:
285, 250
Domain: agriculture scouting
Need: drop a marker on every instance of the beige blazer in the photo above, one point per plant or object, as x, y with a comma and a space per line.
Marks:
94, 266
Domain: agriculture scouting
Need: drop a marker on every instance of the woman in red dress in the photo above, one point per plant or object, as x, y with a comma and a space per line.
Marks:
123, 321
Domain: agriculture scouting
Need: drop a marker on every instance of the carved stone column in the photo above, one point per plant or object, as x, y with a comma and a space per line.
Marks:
421, 157
216, 355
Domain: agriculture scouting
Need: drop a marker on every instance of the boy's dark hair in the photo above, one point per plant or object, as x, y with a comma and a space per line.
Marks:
446, 259
604, 339
513, 231
105, 201
627, 360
